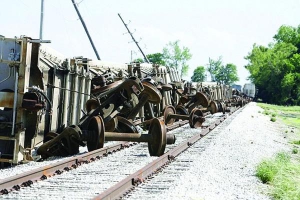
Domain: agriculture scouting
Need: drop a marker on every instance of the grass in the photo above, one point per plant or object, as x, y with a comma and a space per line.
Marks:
296, 142
273, 119
295, 151
290, 115
282, 174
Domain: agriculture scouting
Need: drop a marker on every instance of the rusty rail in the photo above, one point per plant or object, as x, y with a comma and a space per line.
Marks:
138, 177
26, 179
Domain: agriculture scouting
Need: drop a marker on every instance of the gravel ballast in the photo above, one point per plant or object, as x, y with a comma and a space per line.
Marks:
225, 168
219, 166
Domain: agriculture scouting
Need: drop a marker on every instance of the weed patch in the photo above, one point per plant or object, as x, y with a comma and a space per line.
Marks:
296, 142
282, 174
273, 119
295, 151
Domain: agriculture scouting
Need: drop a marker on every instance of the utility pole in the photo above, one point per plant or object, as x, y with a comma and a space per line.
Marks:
86, 30
42, 19
132, 52
40, 40
145, 57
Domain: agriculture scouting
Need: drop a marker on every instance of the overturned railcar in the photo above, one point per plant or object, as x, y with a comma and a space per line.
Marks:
42, 91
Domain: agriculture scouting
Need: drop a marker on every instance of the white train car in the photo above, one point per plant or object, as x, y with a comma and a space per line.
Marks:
249, 89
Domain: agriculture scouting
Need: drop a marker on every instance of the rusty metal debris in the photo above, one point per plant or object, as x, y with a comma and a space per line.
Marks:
50, 102
133, 180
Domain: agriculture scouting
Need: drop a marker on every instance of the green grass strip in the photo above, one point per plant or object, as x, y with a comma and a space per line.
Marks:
282, 174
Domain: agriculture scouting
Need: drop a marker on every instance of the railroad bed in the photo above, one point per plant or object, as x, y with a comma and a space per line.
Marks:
222, 165
89, 180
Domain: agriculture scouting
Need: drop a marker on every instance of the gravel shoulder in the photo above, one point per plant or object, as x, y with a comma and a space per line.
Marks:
222, 164
226, 167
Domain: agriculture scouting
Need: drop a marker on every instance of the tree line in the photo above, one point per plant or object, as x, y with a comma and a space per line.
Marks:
275, 69
177, 57
172, 56
223, 74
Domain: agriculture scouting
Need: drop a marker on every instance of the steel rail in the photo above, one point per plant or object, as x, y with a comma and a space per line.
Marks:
133, 180
27, 178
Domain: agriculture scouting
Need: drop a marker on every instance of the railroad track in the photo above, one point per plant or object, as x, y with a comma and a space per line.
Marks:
106, 173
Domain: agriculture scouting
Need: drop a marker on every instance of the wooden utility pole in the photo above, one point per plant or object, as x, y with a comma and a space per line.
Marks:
86, 30
145, 57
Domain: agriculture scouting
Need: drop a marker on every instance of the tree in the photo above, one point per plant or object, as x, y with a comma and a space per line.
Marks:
156, 58
213, 67
199, 74
289, 34
227, 74
224, 74
177, 57
275, 70
138, 60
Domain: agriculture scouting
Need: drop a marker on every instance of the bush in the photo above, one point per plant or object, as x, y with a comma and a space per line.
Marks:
296, 142
282, 174
295, 151
267, 169
273, 119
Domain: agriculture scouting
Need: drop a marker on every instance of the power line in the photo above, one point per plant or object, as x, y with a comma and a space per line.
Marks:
145, 57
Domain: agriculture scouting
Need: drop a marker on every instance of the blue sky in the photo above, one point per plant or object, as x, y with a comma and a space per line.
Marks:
208, 28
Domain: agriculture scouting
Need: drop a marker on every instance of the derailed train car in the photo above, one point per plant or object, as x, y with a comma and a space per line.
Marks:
43, 94
40, 91
43, 91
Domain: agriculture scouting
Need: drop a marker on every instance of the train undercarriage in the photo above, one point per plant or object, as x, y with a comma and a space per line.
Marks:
50, 104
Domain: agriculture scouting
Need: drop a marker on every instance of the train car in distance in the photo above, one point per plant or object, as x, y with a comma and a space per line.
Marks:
237, 87
249, 90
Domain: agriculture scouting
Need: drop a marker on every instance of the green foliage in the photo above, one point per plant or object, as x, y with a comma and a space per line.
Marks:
199, 74
282, 174
273, 119
296, 142
266, 113
138, 60
224, 74
213, 67
267, 169
295, 151
177, 57
275, 70
290, 115
227, 74
156, 58
289, 34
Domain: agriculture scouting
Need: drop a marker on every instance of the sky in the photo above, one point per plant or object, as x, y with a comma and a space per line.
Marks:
209, 28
